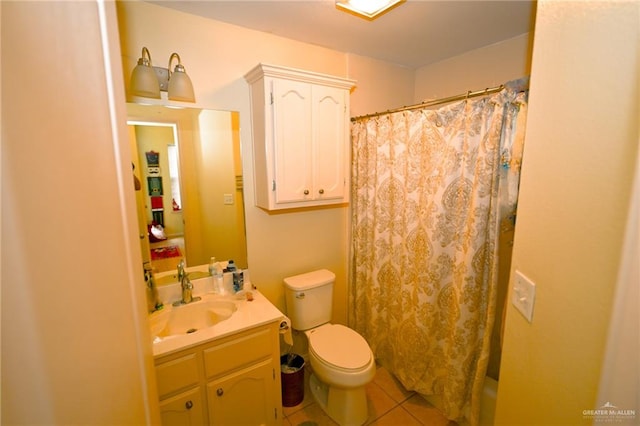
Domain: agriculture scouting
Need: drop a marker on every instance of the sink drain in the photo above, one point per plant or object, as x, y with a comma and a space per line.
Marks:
192, 330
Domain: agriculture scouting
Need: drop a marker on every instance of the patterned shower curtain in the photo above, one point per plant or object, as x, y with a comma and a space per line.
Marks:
431, 188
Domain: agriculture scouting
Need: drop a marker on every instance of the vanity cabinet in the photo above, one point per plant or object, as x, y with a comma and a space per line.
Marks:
301, 137
233, 380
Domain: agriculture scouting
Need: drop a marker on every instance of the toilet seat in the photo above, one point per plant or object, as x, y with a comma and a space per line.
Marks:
340, 347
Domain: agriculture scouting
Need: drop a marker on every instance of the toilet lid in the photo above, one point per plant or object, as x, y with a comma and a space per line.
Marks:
340, 346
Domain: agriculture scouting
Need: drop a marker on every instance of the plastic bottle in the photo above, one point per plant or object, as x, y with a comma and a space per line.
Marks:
238, 281
237, 276
212, 266
218, 279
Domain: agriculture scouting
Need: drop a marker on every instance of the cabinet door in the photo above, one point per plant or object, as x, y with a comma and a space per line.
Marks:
183, 409
330, 147
292, 140
245, 397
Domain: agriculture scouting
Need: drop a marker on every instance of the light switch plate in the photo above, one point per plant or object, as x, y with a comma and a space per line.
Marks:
524, 295
228, 199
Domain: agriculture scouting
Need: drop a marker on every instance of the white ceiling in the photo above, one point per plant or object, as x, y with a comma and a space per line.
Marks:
414, 34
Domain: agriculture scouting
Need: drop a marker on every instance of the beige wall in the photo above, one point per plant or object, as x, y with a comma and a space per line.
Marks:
217, 55
380, 86
580, 147
75, 346
477, 69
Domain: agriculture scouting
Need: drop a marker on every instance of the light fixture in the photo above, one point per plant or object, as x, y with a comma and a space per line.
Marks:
143, 79
368, 9
147, 81
180, 87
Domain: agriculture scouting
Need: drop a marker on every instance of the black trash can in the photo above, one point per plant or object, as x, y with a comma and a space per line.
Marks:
292, 375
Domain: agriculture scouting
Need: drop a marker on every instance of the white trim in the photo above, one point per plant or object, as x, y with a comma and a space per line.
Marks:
106, 20
267, 70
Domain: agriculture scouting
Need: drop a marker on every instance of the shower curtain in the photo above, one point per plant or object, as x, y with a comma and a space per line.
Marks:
430, 190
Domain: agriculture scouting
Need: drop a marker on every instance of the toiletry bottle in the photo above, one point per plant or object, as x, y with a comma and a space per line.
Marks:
238, 280
212, 266
237, 277
218, 279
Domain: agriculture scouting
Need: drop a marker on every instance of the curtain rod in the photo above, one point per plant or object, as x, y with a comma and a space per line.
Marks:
425, 104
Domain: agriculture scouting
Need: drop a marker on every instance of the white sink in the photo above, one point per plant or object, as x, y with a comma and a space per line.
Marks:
214, 317
190, 318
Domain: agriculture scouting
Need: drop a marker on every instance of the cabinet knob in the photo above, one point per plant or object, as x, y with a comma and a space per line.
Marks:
188, 405
219, 392
321, 191
306, 192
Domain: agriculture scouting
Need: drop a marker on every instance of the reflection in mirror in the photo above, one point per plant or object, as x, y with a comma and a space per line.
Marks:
190, 202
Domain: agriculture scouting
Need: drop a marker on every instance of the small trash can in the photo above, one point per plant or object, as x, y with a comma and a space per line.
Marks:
292, 375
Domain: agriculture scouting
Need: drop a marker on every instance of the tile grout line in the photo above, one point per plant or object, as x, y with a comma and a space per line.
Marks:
411, 414
397, 404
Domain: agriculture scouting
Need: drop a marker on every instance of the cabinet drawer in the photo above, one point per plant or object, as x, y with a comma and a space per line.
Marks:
238, 352
177, 374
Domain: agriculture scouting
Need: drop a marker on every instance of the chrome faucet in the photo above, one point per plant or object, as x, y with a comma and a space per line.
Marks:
152, 291
187, 291
181, 273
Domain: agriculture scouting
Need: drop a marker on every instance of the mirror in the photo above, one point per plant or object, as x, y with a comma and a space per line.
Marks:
187, 171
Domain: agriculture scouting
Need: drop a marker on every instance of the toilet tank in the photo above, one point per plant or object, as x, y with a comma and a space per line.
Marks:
309, 298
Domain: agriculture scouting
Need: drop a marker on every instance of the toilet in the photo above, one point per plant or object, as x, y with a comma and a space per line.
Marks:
341, 360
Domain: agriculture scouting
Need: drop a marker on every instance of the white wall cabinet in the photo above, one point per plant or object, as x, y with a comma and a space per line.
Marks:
301, 137
233, 380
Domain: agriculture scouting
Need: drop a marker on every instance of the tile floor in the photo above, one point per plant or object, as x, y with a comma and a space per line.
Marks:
389, 405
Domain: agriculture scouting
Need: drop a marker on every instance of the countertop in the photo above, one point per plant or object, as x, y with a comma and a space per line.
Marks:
249, 314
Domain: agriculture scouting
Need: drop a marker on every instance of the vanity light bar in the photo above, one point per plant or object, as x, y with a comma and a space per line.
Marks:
148, 80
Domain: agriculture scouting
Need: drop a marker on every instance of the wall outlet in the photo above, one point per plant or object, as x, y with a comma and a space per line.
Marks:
228, 199
524, 295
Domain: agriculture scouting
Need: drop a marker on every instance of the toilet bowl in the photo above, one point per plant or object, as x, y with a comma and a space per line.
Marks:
341, 360
340, 356
342, 365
